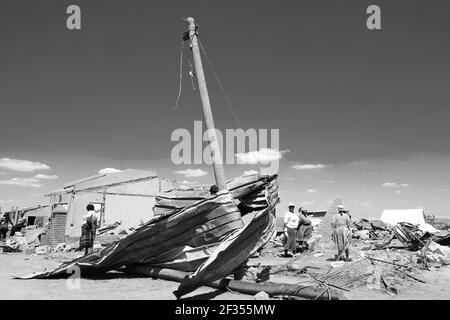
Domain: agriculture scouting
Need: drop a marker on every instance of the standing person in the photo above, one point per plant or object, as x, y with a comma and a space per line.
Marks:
291, 220
4, 222
214, 189
304, 229
19, 226
342, 233
88, 229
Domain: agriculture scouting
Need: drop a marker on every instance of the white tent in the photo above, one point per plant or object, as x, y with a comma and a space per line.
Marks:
413, 216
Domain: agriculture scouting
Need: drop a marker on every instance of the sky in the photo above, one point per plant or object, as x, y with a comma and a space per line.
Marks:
362, 114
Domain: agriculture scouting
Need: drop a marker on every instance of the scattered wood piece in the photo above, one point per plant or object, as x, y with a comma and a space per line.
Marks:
388, 262
399, 265
413, 277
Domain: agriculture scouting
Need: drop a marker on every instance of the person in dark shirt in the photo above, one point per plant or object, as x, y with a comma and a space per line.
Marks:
19, 226
304, 230
4, 222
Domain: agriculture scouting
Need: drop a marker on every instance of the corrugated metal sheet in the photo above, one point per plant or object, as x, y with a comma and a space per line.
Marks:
185, 238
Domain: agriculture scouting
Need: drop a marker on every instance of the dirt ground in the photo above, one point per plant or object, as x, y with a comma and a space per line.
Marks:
116, 285
437, 286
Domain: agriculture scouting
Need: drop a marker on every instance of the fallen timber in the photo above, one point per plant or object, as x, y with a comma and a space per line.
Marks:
246, 287
399, 265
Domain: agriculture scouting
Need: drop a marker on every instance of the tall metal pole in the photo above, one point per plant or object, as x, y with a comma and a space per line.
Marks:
216, 156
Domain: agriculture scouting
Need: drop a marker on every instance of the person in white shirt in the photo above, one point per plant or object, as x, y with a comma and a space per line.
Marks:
291, 220
88, 230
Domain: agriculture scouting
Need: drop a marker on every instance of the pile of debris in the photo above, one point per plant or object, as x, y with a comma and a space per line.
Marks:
24, 241
412, 237
370, 230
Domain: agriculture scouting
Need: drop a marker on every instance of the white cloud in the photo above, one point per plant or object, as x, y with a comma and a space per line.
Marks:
22, 182
311, 190
441, 190
249, 172
398, 191
329, 181
46, 176
2, 172
404, 185
389, 185
187, 182
394, 185
22, 165
108, 170
263, 156
309, 166
192, 173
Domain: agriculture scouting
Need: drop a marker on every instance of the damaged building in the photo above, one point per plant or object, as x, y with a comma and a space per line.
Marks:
127, 196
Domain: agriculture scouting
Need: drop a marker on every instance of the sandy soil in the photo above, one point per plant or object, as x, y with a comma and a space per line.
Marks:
437, 286
113, 286
116, 285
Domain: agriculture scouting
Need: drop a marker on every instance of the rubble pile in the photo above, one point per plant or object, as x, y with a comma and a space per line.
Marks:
385, 258
25, 241
410, 236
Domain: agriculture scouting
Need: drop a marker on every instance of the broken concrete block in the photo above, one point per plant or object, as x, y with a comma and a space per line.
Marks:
59, 247
313, 241
261, 296
41, 250
21, 241
337, 264
362, 234
295, 266
318, 254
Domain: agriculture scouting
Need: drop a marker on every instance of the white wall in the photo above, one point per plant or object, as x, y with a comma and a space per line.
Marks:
77, 210
129, 209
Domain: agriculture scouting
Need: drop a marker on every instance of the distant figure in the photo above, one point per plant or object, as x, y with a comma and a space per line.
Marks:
19, 226
242, 206
342, 234
291, 220
304, 230
88, 230
214, 189
4, 222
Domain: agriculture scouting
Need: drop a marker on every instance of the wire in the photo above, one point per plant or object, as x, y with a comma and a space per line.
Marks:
191, 74
220, 84
181, 75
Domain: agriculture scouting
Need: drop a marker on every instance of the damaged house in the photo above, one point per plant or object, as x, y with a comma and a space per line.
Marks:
126, 196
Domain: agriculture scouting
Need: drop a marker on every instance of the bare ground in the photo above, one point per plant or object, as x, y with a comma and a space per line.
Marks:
113, 286
116, 285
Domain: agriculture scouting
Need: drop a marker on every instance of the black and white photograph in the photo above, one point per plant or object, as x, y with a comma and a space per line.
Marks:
247, 152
